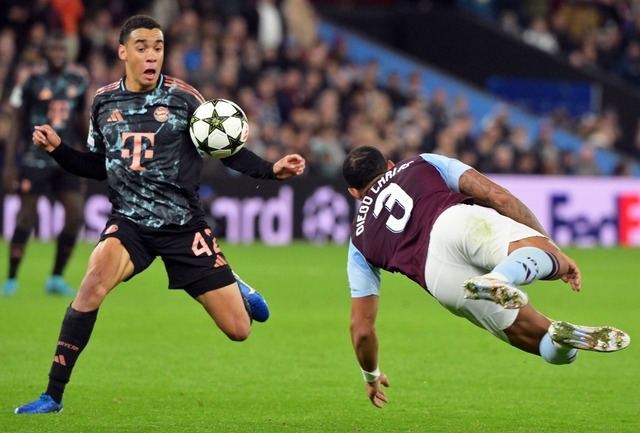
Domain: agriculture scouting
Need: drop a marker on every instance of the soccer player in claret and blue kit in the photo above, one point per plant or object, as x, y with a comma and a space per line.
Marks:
465, 240
139, 142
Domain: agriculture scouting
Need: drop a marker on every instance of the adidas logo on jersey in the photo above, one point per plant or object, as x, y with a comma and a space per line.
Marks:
115, 116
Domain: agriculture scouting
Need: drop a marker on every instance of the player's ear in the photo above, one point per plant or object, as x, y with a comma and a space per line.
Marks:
355, 193
390, 164
122, 52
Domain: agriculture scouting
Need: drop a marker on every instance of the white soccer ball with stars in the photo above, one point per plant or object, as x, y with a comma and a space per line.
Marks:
219, 128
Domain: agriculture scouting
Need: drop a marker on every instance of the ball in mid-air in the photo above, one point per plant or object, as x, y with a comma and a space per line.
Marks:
219, 128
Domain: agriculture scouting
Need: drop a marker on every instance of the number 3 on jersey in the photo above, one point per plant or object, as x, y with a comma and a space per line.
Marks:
388, 198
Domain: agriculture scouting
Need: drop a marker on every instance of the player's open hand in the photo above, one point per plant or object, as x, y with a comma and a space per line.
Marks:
377, 395
289, 166
46, 138
572, 276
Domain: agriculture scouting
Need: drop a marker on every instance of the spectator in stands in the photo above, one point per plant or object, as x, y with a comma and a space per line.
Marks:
69, 13
628, 65
586, 161
285, 91
503, 160
539, 36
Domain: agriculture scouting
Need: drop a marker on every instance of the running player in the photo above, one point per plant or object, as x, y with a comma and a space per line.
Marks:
55, 96
469, 243
139, 142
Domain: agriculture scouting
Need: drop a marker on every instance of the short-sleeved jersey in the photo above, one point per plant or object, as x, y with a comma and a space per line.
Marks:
153, 168
54, 99
392, 227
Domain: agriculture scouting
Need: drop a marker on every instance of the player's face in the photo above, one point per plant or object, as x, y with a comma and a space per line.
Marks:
143, 54
57, 55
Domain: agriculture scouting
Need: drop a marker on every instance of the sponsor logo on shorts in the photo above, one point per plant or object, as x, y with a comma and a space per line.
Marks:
161, 114
111, 229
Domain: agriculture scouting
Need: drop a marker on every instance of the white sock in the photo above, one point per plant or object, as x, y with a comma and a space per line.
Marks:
556, 354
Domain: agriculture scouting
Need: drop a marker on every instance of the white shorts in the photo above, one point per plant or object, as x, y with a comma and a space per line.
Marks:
468, 241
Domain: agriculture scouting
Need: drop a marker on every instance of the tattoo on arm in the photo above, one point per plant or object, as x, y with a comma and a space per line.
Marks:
490, 194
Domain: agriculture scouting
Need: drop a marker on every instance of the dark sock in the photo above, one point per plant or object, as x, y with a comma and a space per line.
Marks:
16, 250
66, 242
74, 336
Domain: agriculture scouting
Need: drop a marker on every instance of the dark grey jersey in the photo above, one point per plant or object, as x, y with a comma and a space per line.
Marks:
54, 99
153, 168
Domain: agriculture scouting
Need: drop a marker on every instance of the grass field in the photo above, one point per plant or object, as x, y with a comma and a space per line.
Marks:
157, 363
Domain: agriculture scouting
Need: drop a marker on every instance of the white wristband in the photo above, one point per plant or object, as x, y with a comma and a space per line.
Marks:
371, 376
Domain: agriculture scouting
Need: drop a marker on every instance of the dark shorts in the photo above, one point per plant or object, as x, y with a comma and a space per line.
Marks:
190, 254
40, 181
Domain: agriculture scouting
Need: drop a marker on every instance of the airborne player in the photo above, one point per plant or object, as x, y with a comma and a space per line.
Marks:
465, 240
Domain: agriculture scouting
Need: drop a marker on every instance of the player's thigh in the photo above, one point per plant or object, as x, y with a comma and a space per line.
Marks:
27, 215
469, 234
33, 183
109, 264
73, 204
468, 241
194, 261
445, 281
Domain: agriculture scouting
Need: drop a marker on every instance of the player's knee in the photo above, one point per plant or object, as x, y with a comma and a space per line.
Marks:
88, 299
239, 332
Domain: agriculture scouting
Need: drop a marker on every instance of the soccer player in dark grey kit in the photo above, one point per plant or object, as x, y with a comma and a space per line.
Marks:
55, 95
139, 142
469, 243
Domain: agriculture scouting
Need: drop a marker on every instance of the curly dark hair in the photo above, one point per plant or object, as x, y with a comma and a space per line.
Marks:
363, 165
137, 22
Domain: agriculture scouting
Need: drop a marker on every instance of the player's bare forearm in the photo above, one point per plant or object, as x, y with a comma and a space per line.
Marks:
363, 331
489, 194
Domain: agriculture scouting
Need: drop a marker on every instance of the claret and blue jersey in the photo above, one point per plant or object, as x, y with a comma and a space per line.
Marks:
153, 168
393, 223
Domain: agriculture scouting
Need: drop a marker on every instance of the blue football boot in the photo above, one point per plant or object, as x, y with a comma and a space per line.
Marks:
56, 285
257, 304
9, 287
44, 404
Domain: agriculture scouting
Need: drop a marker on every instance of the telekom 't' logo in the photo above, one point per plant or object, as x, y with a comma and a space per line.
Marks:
136, 157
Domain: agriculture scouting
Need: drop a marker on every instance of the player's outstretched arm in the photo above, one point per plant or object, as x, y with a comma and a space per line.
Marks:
84, 164
365, 345
289, 166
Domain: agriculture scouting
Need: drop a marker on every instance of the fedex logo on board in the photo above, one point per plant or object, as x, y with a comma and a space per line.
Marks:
613, 221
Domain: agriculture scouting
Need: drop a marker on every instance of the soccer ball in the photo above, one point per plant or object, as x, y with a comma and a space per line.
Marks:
219, 128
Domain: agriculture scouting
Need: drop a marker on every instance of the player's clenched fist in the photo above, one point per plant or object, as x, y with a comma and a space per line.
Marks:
46, 138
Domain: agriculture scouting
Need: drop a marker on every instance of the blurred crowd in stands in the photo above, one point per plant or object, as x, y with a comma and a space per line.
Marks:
302, 94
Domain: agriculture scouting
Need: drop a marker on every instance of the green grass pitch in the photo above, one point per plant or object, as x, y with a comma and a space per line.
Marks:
157, 363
